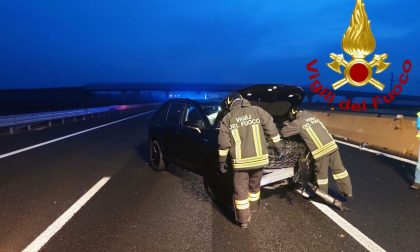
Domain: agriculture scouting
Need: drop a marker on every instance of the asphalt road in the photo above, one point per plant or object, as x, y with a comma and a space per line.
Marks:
139, 209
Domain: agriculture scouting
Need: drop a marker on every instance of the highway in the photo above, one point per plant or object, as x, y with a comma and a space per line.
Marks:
118, 203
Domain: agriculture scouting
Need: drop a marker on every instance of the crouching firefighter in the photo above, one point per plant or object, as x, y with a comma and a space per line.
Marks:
242, 136
322, 147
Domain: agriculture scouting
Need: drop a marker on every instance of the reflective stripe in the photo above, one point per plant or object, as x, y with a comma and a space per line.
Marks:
223, 152
237, 138
324, 150
252, 164
251, 159
314, 137
257, 129
319, 155
341, 175
257, 139
322, 181
276, 139
242, 207
418, 135
254, 196
254, 135
242, 204
327, 145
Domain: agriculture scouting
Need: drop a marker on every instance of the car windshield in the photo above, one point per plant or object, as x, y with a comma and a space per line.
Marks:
211, 113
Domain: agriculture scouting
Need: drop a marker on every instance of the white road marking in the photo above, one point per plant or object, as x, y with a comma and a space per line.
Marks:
68, 136
378, 152
349, 228
45, 236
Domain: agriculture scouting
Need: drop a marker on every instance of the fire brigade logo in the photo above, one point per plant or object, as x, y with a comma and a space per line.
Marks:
358, 41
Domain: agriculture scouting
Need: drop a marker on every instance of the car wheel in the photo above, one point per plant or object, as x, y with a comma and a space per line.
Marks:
156, 157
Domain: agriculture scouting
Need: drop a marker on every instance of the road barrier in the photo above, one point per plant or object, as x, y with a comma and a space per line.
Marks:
391, 134
28, 120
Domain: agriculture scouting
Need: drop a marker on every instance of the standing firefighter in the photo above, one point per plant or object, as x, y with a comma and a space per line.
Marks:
241, 135
416, 184
323, 148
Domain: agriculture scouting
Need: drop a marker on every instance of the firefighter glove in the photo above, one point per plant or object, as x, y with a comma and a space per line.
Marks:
277, 147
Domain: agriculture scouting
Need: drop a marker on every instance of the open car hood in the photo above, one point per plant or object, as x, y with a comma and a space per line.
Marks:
275, 99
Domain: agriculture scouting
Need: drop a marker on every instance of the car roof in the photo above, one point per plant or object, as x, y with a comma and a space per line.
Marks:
276, 99
201, 103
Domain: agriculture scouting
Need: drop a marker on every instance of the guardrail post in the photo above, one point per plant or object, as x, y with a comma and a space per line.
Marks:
62, 121
49, 123
29, 127
11, 130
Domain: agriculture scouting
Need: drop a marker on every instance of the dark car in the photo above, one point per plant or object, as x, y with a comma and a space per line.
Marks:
184, 131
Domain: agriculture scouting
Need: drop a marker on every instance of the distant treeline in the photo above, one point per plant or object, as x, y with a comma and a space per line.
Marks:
21, 101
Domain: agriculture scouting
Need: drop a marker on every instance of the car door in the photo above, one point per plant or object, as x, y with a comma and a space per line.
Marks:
172, 139
195, 141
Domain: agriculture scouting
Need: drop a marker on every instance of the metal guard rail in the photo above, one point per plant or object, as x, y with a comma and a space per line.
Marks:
22, 119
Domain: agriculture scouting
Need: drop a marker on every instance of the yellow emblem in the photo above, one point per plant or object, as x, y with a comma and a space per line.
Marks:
358, 41
229, 101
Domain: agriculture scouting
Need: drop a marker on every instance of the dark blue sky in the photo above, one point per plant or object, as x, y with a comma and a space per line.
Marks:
63, 43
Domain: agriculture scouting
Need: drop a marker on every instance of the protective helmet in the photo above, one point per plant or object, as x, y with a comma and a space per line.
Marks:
291, 116
230, 99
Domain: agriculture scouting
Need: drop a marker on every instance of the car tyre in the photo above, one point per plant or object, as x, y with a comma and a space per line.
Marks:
156, 157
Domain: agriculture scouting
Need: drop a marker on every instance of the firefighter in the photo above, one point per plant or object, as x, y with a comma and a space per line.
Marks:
242, 136
416, 184
322, 147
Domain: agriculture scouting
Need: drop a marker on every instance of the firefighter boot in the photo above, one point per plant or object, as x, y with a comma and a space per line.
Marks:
242, 212
254, 206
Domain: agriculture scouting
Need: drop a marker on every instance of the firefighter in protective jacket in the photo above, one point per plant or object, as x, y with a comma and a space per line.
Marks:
242, 135
322, 147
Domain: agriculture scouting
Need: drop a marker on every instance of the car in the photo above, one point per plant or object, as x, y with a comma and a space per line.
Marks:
184, 132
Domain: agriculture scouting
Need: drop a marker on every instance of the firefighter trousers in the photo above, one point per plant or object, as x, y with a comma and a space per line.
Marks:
246, 194
340, 174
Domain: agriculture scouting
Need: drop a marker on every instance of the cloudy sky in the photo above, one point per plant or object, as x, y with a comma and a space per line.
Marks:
69, 43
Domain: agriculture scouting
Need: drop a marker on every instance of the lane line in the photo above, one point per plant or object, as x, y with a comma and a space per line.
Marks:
349, 228
378, 152
45, 236
68, 136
